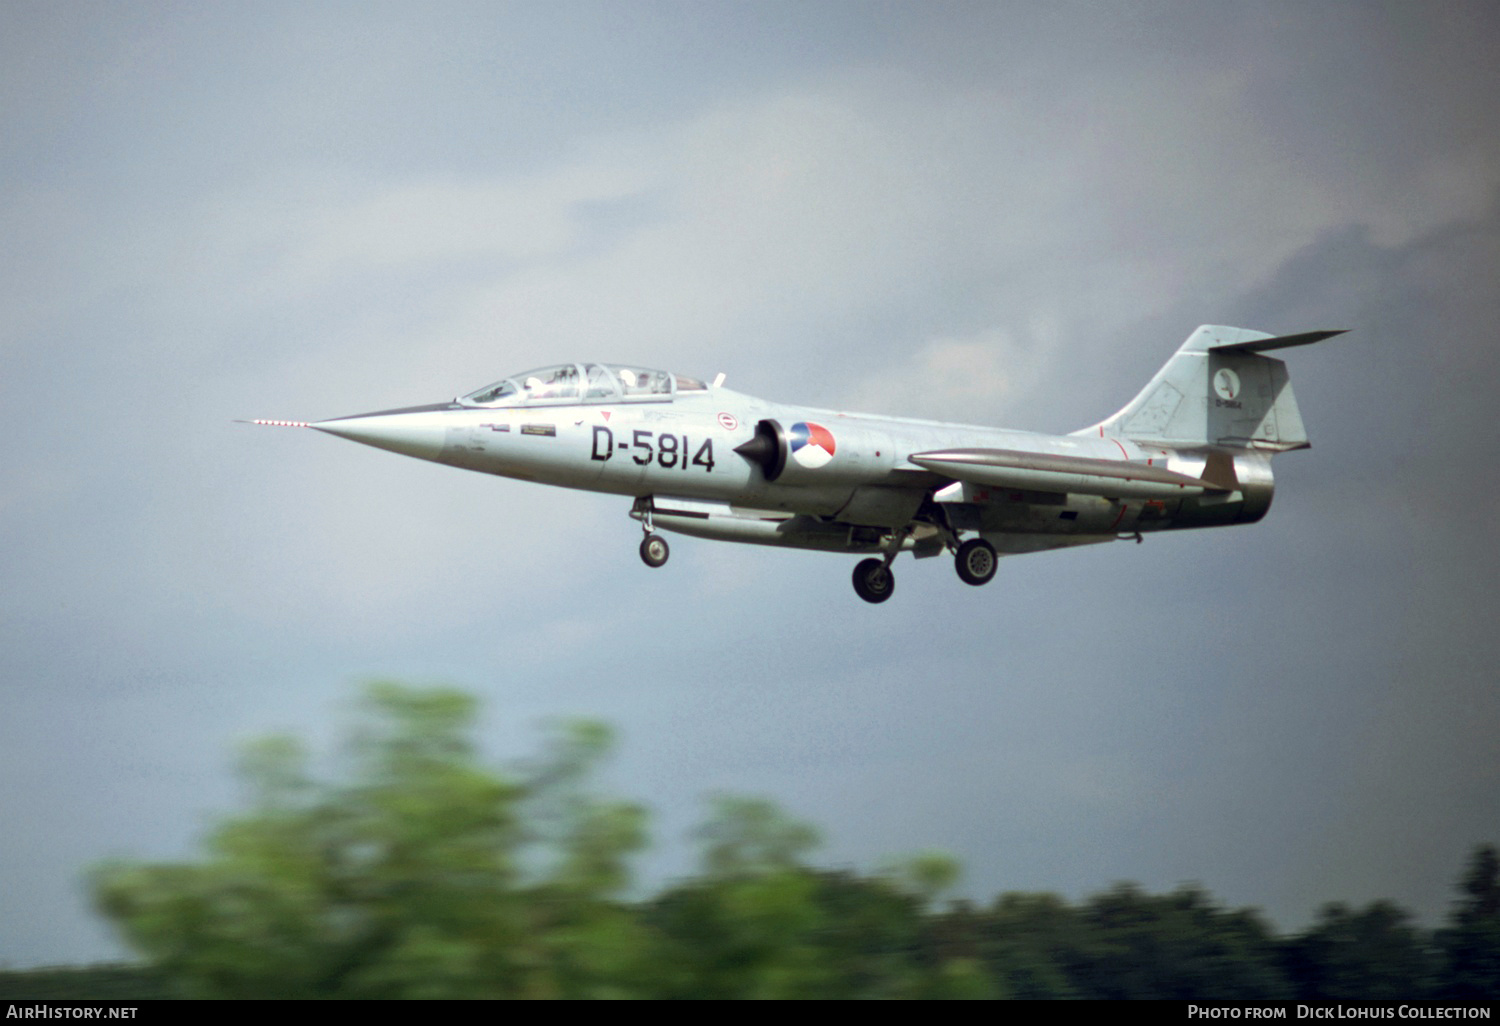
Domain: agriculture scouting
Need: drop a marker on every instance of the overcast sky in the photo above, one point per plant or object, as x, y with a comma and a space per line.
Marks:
1009, 213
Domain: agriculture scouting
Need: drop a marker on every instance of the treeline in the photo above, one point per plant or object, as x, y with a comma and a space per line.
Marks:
425, 874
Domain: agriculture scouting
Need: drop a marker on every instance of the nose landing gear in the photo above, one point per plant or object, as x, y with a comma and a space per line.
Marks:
654, 550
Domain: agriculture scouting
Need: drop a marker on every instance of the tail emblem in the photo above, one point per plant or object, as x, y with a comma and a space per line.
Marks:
1226, 383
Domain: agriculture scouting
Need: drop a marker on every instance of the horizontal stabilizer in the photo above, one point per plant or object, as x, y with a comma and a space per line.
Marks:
1084, 475
1278, 342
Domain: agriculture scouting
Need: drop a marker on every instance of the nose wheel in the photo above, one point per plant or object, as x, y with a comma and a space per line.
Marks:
654, 550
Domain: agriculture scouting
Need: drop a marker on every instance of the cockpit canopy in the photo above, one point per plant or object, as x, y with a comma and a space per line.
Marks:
583, 383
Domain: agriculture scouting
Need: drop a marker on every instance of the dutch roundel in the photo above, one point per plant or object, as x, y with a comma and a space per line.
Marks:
811, 444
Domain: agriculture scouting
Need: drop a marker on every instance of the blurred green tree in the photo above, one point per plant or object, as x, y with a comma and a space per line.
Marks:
1030, 943
759, 923
1470, 944
426, 875
1177, 947
419, 872
1375, 954
747, 928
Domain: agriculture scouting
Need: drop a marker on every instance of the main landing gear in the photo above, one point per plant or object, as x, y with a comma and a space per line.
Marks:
873, 580
976, 562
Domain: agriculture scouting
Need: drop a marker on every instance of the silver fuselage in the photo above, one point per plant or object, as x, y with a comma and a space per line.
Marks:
678, 452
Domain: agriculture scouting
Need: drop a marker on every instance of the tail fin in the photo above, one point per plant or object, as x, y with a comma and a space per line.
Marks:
1217, 390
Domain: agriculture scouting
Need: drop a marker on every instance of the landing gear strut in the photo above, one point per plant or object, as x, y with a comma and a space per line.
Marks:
976, 562
654, 550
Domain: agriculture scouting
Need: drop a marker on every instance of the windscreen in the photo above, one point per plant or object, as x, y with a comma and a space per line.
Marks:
573, 382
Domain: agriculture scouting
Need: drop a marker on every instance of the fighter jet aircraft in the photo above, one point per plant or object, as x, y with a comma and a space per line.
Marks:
1193, 449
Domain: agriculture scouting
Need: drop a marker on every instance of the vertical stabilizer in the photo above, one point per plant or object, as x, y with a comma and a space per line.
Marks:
1217, 390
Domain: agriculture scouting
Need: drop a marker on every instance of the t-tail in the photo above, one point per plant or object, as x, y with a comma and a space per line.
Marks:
1218, 392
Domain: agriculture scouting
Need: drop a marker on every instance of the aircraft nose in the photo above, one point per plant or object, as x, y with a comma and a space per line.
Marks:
411, 434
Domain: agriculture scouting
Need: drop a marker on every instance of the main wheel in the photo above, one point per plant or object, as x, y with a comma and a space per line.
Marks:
873, 580
654, 551
976, 561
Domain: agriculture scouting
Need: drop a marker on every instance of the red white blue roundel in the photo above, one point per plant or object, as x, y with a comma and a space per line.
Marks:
812, 444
